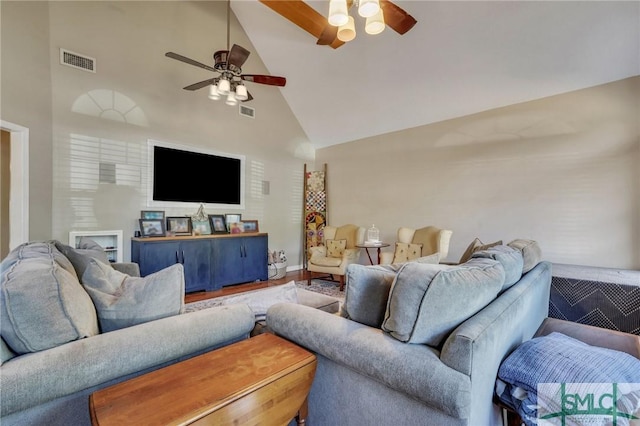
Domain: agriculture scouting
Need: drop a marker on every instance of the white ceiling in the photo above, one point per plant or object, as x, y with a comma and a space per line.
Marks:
460, 58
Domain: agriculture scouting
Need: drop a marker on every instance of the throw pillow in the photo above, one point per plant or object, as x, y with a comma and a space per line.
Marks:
261, 300
80, 257
42, 304
407, 252
475, 246
367, 293
335, 248
510, 258
531, 253
427, 302
123, 301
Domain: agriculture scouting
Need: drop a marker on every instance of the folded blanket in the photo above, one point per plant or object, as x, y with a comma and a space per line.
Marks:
557, 358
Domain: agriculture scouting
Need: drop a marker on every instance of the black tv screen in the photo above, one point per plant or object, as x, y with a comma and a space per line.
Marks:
195, 177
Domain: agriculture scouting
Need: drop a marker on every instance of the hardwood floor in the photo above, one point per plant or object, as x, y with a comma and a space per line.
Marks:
239, 288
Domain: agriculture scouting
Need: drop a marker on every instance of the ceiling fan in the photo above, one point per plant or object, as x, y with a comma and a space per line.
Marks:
318, 26
228, 63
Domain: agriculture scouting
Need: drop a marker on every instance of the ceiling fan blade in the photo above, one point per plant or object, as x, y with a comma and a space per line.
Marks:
189, 61
265, 79
201, 84
250, 98
237, 56
396, 17
305, 17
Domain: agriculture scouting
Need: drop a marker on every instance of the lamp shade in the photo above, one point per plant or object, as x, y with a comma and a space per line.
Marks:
338, 13
375, 24
231, 99
241, 93
213, 93
224, 87
368, 8
347, 32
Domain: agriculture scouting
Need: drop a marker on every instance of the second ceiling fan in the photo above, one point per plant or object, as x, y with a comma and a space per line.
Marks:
310, 20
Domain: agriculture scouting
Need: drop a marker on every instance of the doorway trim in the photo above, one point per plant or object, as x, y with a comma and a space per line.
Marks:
19, 188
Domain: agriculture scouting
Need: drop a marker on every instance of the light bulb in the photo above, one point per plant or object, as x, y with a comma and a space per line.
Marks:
241, 93
224, 87
213, 93
347, 32
375, 24
231, 99
338, 13
368, 8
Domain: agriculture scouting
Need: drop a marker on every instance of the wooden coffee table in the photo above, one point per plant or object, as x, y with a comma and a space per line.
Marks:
262, 380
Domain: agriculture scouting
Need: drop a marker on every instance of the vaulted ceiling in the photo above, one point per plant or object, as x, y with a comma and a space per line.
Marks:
460, 58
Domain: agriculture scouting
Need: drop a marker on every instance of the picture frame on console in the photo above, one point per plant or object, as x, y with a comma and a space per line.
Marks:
179, 225
218, 224
152, 227
250, 226
152, 214
230, 218
201, 227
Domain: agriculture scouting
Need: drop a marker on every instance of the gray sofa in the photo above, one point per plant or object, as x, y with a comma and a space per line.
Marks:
52, 362
420, 345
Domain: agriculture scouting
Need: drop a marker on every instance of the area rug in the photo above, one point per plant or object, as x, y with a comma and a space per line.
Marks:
328, 288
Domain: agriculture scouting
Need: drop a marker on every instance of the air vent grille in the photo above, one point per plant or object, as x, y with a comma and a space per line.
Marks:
247, 111
77, 60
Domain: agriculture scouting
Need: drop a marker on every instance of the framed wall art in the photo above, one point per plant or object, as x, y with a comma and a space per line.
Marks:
179, 225
152, 214
152, 227
201, 227
232, 218
218, 224
250, 225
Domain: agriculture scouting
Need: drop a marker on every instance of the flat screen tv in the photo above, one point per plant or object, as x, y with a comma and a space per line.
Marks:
187, 175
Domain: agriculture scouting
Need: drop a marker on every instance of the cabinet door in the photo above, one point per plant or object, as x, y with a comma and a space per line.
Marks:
255, 258
195, 256
156, 256
228, 266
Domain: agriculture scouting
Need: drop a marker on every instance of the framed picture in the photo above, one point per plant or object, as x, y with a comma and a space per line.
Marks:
232, 218
179, 225
250, 225
201, 227
152, 227
218, 224
152, 214
236, 228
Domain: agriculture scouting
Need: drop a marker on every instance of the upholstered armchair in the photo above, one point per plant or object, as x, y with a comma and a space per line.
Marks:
338, 252
428, 244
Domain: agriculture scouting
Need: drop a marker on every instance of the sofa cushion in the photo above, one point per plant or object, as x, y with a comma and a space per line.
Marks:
367, 293
531, 253
326, 261
407, 252
42, 304
335, 248
5, 352
80, 257
123, 301
427, 302
510, 258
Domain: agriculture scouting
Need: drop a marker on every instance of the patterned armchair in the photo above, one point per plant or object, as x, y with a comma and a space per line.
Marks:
429, 245
338, 252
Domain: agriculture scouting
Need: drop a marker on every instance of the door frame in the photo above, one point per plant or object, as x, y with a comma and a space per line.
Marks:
19, 188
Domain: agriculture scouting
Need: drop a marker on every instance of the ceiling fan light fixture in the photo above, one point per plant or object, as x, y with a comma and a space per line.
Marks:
368, 8
224, 87
338, 12
241, 93
347, 32
375, 24
213, 93
231, 99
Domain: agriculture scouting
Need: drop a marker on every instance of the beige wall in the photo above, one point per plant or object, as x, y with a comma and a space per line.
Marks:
129, 40
561, 170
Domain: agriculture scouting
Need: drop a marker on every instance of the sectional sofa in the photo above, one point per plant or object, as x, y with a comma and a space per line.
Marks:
420, 344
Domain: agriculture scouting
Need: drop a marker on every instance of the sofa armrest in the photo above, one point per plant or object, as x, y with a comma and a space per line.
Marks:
36, 378
415, 370
130, 268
